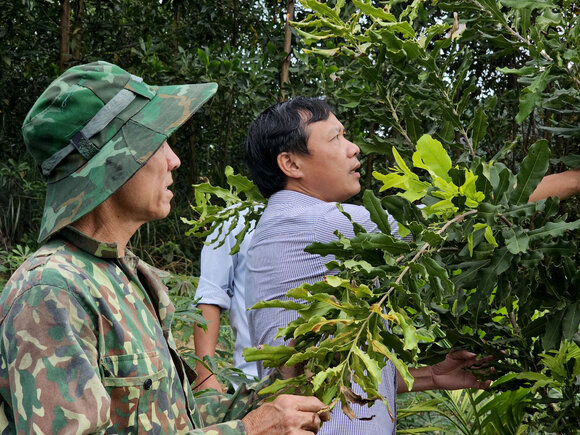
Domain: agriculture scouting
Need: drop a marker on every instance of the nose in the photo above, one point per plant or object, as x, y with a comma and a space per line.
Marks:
353, 149
173, 162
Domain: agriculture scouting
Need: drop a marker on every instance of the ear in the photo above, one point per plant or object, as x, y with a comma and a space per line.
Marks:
290, 164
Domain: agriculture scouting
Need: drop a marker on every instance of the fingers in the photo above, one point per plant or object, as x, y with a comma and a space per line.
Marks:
324, 414
307, 415
287, 414
302, 403
312, 421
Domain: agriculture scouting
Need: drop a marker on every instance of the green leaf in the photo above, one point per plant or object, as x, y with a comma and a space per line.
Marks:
478, 127
409, 331
431, 155
517, 240
371, 366
531, 95
527, 4
501, 260
553, 334
385, 242
534, 167
373, 12
554, 229
378, 215
524, 71
321, 9
571, 321
273, 356
402, 210
281, 384
570, 160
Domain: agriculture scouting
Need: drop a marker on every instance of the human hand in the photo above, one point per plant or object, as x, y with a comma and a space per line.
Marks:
456, 371
287, 415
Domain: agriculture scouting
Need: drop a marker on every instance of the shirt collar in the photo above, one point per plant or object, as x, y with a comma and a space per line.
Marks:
292, 196
88, 244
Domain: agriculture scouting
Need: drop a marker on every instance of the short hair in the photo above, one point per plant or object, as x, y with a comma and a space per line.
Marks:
280, 128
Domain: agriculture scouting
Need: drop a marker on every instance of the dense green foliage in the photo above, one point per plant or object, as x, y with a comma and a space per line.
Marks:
487, 271
492, 81
236, 44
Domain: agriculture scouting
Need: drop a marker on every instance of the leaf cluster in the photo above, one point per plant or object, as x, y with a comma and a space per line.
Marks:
485, 271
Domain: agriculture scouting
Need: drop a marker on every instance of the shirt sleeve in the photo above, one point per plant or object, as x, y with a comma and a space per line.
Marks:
216, 281
50, 364
225, 411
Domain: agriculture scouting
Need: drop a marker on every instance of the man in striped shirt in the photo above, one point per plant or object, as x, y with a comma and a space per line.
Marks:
300, 159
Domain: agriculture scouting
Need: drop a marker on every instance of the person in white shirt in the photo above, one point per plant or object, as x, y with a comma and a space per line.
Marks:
221, 287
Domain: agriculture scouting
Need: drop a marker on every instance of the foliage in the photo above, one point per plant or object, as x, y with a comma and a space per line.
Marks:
487, 271
236, 44
11, 260
242, 201
187, 315
480, 274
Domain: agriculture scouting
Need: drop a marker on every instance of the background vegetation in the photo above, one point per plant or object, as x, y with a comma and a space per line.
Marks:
486, 78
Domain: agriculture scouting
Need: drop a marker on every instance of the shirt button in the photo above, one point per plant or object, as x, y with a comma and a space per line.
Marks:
147, 384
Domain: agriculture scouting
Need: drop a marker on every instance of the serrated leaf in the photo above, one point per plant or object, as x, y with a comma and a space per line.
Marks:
534, 167
524, 71
527, 4
371, 366
531, 95
272, 356
478, 127
554, 229
553, 334
373, 12
571, 321
378, 215
409, 332
517, 240
281, 384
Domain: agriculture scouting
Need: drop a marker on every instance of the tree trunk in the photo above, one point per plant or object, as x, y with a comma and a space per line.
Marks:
177, 24
284, 74
64, 34
78, 30
234, 38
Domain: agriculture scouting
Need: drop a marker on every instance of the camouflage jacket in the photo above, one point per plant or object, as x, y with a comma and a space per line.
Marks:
86, 347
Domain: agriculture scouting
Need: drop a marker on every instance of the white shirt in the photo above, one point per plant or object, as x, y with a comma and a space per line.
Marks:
221, 283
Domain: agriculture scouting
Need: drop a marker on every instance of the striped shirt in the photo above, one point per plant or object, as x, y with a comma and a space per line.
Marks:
277, 262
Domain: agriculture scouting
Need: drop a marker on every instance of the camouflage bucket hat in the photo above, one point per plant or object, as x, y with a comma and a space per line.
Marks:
93, 128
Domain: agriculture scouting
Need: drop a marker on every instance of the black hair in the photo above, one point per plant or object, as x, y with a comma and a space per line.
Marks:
280, 128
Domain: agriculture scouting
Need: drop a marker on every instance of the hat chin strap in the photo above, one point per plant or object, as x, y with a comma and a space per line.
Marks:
81, 141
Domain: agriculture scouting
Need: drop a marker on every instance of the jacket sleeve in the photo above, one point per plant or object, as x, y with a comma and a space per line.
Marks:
49, 365
217, 409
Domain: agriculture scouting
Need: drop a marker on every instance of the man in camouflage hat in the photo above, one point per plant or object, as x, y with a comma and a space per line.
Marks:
85, 339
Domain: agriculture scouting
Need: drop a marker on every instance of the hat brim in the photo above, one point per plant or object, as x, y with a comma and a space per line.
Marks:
70, 198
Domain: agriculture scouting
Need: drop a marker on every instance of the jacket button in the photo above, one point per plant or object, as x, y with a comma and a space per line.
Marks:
147, 384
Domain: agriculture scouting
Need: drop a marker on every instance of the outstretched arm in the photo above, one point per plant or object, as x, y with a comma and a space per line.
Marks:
205, 343
453, 373
563, 185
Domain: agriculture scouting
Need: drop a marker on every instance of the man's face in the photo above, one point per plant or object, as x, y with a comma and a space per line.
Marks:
330, 170
146, 196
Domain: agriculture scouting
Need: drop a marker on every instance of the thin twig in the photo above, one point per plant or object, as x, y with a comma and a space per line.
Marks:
424, 249
515, 34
